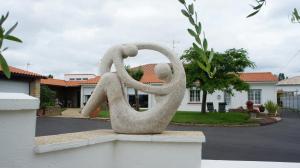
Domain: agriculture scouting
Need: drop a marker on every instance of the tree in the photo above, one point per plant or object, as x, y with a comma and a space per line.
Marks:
6, 35
47, 97
295, 16
137, 74
281, 76
50, 76
228, 64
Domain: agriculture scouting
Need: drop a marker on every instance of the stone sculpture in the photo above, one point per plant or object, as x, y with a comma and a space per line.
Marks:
124, 119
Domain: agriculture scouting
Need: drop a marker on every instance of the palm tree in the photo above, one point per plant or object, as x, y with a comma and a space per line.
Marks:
137, 74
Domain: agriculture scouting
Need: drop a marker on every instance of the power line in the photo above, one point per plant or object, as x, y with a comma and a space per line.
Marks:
289, 61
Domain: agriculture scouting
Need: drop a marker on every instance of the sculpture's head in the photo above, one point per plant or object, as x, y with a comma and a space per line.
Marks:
130, 50
163, 72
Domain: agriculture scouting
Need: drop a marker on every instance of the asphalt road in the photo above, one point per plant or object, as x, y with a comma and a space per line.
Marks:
278, 142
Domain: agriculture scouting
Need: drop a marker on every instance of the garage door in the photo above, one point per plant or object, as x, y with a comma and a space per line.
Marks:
14, 86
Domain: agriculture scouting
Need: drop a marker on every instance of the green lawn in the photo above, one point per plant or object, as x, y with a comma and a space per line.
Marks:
229, 118
211, 118
104, 114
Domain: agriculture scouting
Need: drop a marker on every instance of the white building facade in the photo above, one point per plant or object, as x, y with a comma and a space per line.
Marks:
78, 77
262, 89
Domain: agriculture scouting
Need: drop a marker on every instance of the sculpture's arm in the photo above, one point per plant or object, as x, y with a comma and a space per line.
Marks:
96, 99
131, 50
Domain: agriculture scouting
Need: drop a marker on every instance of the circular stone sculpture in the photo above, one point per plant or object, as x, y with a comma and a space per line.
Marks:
168, 96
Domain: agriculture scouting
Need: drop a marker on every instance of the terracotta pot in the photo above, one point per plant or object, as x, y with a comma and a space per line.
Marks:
95, 113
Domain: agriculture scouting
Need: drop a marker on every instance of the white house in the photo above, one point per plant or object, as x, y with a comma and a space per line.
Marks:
21, 81
262, 89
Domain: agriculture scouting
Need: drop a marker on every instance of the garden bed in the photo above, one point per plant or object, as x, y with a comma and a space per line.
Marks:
50, 111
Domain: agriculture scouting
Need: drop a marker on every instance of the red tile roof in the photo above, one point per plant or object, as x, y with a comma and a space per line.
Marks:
17, 71
258, 77
149, 74
150, 77
91, 81
59, 82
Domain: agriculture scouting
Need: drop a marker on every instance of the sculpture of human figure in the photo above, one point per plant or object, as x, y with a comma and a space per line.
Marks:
124, 119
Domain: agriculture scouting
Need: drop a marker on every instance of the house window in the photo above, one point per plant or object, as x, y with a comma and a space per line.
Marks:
84, 78
194, 95
227, 98
143, 100
78, 78
255, 96
72, 79
86, 98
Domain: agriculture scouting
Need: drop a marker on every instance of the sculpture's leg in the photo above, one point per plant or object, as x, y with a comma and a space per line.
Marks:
98, 96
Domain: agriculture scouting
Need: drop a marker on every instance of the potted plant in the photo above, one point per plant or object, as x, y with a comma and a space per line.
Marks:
249, 104
253, 112
272, 108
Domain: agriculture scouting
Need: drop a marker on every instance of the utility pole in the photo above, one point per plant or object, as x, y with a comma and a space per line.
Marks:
27, 65
174, 44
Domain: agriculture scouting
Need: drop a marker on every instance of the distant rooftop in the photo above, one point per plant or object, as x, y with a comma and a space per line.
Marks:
79, 74
290, 81
258, 77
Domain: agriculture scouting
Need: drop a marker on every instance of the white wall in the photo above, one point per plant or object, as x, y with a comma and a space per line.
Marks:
186, 105
68, 76
12, 86
92, 149
84, 91
268, 91
288, 88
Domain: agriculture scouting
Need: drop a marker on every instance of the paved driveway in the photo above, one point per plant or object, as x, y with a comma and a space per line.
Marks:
277, 142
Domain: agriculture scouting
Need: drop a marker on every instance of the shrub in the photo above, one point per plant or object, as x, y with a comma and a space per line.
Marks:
271, 107
47, 97
261, 108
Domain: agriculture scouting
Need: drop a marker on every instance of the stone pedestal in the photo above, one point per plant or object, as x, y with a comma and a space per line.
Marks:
176, 149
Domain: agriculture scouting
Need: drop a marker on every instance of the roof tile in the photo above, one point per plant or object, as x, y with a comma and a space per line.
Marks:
258, 77
17, 71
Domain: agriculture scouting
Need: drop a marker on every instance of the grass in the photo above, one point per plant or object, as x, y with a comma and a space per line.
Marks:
213, 118
230, 118
104, 114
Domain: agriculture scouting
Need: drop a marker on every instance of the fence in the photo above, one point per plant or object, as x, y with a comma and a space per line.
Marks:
290, 101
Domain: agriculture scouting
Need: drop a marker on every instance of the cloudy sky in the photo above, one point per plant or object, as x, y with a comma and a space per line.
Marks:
70, 36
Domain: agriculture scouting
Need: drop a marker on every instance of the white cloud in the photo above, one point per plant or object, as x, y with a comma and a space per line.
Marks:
71, 36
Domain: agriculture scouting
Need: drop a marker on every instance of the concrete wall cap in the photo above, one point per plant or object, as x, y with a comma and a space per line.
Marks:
74, 140
18, 101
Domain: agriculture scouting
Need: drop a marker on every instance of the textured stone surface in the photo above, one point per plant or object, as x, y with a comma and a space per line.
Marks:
124, 118
79, 139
